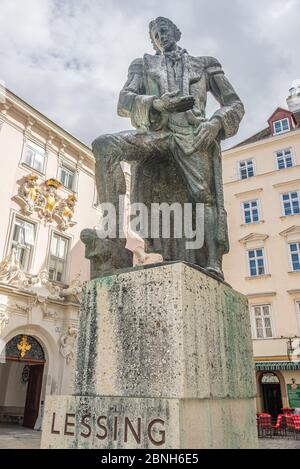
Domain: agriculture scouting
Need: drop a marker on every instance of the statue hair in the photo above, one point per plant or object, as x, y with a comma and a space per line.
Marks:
177, 32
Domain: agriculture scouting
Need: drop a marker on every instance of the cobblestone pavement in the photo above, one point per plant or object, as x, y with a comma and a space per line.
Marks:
18, 437
278, 443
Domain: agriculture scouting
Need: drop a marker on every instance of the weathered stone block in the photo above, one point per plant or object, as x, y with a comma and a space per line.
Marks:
154, 423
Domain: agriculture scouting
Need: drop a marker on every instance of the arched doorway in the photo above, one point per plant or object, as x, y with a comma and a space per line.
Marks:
271, 394
21, 379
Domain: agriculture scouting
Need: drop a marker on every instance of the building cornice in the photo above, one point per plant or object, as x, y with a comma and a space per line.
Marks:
287, 183
247, 193
267, 173
53, 129
261, 294
292, 230
296, 291
88, 169
253, 237
13, 290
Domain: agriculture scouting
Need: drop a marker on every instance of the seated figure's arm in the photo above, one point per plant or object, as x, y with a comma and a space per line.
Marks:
133, 102
232, 110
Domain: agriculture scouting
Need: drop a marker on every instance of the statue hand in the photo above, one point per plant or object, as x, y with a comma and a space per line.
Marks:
207, 134
172, 102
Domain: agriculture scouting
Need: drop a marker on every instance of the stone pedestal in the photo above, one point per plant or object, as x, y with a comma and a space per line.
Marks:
164, 361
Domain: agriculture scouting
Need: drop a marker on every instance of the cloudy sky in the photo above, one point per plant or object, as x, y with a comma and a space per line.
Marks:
69, 58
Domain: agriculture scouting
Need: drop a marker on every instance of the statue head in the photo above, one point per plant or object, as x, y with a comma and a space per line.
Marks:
164, 34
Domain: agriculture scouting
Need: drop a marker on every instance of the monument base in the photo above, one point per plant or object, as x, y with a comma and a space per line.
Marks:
164, 361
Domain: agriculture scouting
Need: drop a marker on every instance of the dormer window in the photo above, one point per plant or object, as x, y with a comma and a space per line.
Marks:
282, 121
281, 126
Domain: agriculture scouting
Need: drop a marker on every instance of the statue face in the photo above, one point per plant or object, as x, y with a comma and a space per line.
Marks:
164, 37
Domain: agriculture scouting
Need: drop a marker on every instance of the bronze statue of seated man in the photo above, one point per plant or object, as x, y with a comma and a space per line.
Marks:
165, 97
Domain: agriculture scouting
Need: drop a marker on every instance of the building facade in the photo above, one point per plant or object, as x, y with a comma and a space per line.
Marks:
47, 197
261, 179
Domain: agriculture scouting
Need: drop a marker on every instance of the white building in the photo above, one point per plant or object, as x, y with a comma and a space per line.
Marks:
47, 195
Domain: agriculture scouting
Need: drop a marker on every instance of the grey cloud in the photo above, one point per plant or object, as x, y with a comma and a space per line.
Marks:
69, 58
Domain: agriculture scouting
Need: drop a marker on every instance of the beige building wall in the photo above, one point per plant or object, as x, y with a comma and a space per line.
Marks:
46, 310
279, 287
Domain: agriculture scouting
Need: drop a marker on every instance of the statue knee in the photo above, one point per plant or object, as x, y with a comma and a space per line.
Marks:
101, 145
202, 196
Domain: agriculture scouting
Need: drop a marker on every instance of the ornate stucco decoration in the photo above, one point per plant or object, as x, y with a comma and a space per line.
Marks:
49, 314
10, 268
44, 199
24, 309
1, 123
292, 233
37, 301
41, 286
74, 289
38, 285
28, 194
25, 347
67, 343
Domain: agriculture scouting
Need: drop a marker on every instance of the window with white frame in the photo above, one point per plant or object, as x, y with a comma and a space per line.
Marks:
246, 168
262, 321
35, 157
23, 239
290, 203
295, 255
284, 158
281, 126
256, 262
58, 258
66, 176
250, 211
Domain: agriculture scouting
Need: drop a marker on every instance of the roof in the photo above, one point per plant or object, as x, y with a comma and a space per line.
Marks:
266, 133
280, 110
261, 135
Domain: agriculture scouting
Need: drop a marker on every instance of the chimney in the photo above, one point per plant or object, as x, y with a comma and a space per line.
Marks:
293, 100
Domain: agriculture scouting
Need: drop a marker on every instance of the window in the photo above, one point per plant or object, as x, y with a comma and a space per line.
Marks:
58, 258
262, 321
290, 203
246, 169
250, 210
284, 159
281, 126
35, 157
23, 239
295, 255
256, 262
67, 176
